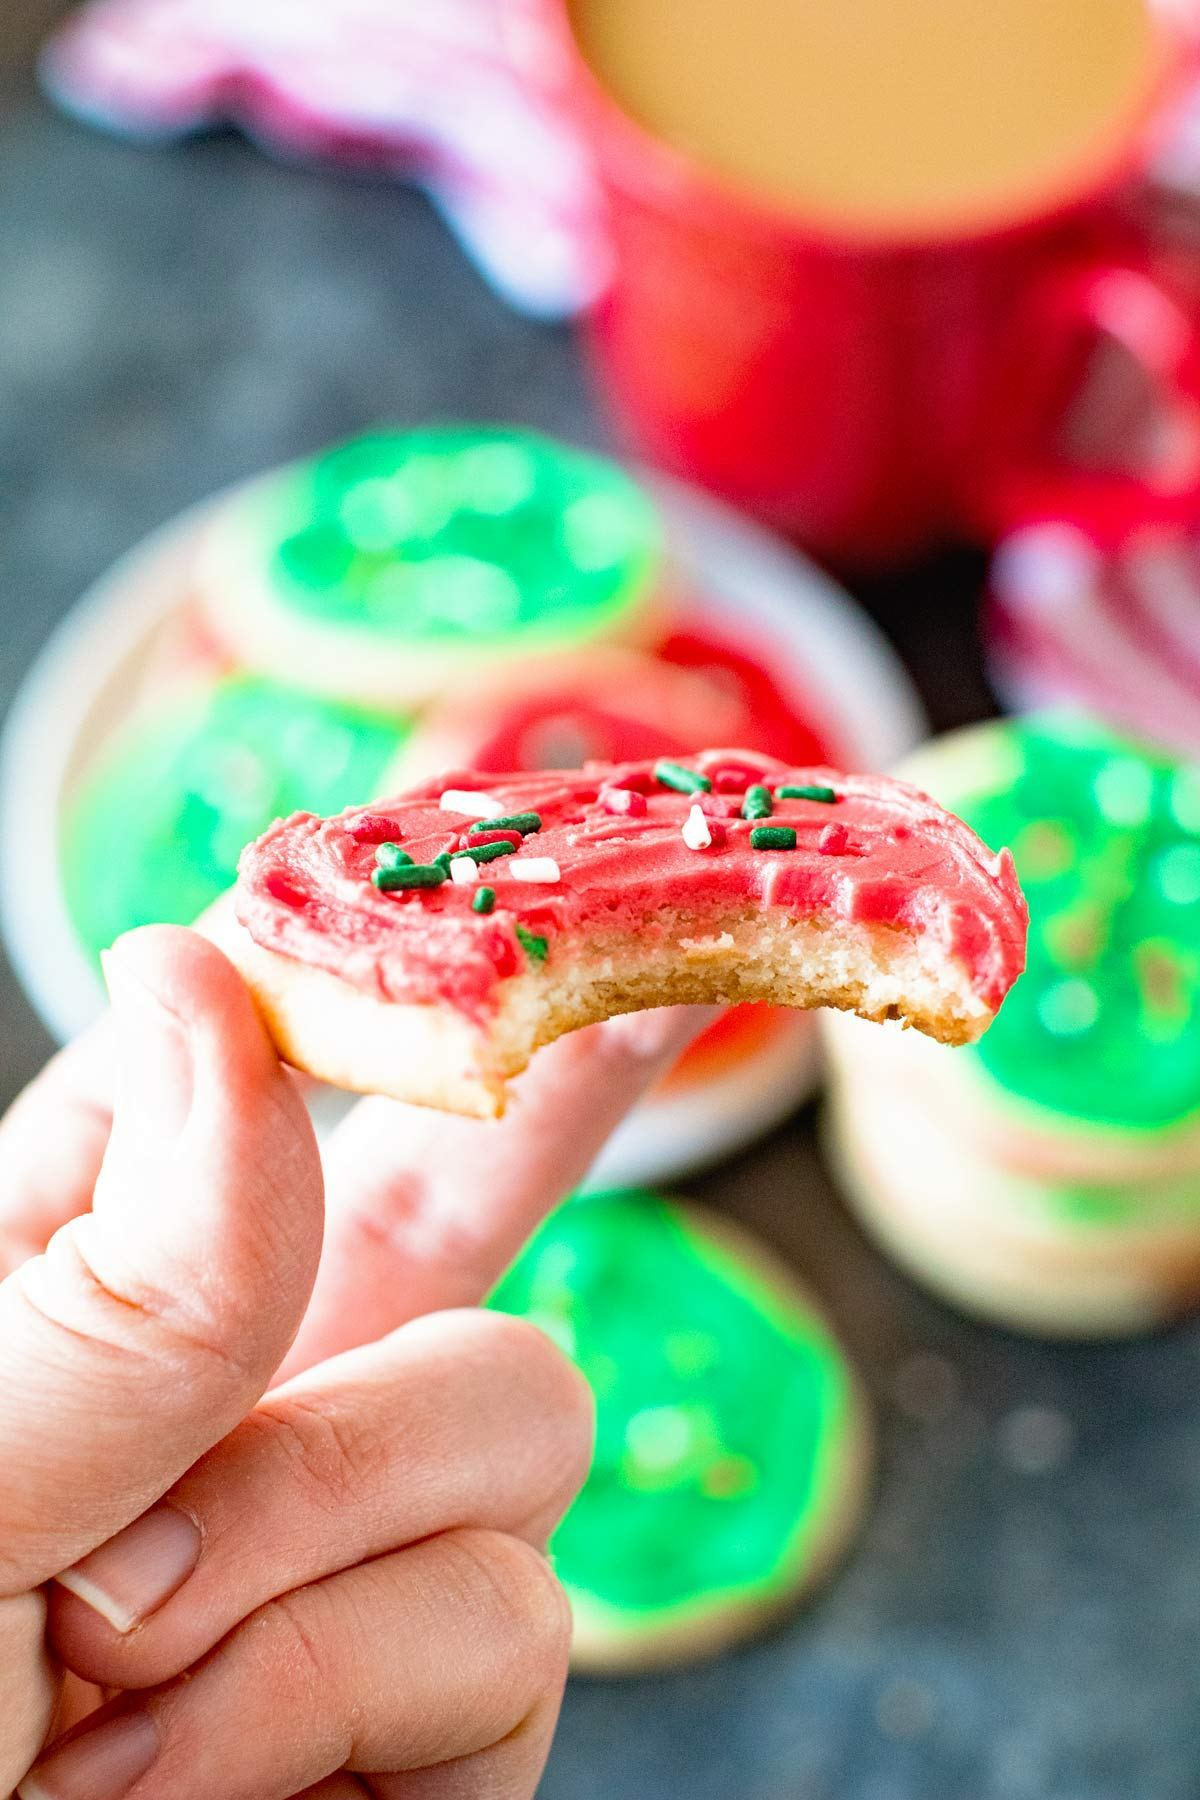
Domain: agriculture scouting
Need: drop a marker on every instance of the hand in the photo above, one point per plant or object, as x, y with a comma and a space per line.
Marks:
337, 1589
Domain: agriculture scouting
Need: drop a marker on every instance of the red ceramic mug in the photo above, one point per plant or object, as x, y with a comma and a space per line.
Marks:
874, 391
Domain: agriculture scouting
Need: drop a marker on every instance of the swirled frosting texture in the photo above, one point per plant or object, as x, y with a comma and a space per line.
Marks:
881, 853
1105, 1026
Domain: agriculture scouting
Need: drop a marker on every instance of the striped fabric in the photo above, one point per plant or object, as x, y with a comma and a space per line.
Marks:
1117, 634
461, 96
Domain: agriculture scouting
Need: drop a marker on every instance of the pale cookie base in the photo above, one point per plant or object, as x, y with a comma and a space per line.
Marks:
608, 1641
339, 662
431, 1055
1014, 1133
987, 1242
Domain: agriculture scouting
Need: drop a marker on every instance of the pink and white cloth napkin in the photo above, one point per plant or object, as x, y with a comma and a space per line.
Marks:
463, 97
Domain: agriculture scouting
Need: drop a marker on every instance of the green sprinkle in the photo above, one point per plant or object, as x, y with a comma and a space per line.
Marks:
410, 875
757, 804
772, 837
522, 822
391, 856
481, 853
684, 781
535, 947
825, 795
442, 861
483, 900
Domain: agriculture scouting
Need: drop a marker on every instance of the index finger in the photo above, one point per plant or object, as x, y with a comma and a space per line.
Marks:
426, 1210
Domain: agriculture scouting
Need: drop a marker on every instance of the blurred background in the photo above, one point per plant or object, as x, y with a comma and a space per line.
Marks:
867, 376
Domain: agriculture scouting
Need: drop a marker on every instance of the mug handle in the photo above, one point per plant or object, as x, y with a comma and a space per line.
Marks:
1086, 334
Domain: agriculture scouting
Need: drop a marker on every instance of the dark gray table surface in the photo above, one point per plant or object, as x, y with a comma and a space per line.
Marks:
1021, 1620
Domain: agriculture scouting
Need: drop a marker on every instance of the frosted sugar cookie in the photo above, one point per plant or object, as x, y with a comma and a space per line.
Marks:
427, 946
389, 568
1093, 1070
611, 706
695, 686
1062, 1258
156, 825
1050, 1175
732, 1447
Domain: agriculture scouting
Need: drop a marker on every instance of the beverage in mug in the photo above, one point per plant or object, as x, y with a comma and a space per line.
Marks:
838, 229
879, 115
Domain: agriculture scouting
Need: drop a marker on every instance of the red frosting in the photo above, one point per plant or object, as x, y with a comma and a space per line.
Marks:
783, 712
882, 854
695, 687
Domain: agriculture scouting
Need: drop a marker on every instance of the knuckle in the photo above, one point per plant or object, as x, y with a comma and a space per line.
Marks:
523, 1593
322, 1450
131, 1324
284, 1639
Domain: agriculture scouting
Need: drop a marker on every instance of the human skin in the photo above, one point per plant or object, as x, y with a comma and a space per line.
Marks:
274, 1494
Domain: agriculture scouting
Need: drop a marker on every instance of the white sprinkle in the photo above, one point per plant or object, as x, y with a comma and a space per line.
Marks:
471, 806
995, 865
530, 868
696, 834
465, 871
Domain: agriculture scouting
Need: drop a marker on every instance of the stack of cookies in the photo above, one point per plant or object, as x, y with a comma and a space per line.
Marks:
1049, 1177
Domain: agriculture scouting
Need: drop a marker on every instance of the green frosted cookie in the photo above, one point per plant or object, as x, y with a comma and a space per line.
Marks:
1091, 1070
155, 830
1049, 1175
385, 568
1105, 1024
730, 1452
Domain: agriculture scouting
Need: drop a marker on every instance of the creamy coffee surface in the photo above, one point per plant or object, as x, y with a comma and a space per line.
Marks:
883, 114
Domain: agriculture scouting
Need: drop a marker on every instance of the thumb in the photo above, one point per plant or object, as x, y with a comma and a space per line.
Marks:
152, 1324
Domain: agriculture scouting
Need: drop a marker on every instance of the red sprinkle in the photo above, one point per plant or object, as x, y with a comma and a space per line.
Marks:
717, 806
622, 800
373, 828
734, 777
833, 840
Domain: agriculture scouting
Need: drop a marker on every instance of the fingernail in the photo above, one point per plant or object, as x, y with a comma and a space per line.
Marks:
154, 1060
134, 1573
101, 1764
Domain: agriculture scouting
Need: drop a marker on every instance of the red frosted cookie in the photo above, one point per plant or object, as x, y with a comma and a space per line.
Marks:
620, 705
613, 705
427, 947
